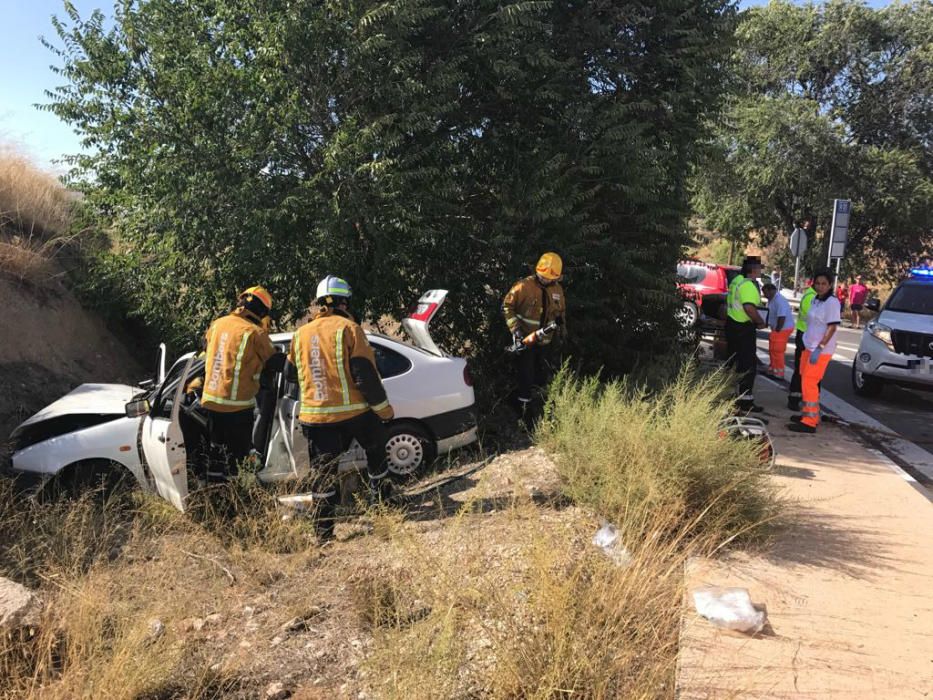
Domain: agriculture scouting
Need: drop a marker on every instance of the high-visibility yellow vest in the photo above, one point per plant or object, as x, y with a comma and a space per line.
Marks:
741, 291
805, 301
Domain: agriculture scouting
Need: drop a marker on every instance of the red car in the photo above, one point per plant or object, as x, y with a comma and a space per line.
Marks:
703, 287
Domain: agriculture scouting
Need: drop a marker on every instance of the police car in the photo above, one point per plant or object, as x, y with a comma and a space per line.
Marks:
101, 431
897, 346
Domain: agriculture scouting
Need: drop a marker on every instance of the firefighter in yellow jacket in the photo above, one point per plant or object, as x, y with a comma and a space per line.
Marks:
531, 305
342, 398
238, 347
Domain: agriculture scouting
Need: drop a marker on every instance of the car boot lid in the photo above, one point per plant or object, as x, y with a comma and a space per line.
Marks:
101, 399
418, 321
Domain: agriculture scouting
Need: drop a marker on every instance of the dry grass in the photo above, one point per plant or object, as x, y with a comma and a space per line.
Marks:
36, 212
499, 594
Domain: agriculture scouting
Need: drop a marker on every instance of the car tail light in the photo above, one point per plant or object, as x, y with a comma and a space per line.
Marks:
422, 311
467, 377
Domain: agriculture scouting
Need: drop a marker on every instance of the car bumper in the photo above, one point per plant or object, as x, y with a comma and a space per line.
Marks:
452, 424
878, 360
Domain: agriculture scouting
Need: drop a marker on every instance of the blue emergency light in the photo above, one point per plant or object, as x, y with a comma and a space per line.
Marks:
923, 273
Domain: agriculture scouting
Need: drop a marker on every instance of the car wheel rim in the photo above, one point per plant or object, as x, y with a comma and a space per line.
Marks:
405, 453
859, 379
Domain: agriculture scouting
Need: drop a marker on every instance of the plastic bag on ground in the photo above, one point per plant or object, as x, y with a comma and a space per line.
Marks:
729, 608
607, 539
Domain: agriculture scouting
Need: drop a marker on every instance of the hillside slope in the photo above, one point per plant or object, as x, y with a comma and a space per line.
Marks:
51, 344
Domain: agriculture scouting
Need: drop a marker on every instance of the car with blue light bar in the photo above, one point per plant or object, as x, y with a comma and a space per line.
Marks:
897, 345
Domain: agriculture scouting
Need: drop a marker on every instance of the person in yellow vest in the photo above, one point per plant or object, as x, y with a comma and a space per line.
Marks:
238, 347
795, 394
742, 323
530, 305
342, 398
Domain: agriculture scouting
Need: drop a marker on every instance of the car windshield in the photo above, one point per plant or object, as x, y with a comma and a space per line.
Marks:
690, 274
912, 298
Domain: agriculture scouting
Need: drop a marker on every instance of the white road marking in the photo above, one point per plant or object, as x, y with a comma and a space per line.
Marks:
912, 454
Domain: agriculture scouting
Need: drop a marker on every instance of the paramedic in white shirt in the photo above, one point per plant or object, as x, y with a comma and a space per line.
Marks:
781, 322
819, 341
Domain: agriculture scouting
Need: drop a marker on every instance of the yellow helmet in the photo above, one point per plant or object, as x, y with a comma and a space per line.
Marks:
260, 293
550, 266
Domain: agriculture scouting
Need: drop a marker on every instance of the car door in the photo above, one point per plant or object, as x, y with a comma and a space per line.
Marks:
163, 444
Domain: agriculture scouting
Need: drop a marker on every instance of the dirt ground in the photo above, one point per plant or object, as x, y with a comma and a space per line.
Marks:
50, 345
846, 584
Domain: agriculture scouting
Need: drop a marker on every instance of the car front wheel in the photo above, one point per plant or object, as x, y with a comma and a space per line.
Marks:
409, 448
865, 384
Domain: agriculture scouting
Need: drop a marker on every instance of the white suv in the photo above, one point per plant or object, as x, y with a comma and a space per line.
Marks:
897, 346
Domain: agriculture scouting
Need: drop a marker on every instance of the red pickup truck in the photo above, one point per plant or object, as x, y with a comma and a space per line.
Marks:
703, 288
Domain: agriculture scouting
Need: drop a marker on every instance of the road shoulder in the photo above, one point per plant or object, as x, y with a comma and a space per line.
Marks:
845, 582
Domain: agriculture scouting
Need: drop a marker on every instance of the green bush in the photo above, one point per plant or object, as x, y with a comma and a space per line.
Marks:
630, 454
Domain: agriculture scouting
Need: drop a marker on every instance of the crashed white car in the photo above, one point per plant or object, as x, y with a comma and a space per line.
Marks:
99, 430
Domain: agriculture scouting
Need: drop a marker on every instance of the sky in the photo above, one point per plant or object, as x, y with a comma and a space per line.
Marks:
25, 74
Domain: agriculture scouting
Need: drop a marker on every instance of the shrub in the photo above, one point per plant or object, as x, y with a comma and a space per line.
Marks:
626, 453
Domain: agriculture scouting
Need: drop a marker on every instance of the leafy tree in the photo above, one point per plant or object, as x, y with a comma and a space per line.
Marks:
830, 101
405, 145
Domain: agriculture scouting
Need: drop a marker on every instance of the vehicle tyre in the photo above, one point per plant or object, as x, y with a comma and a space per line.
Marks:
409, 449
865, 384
106, 479
689, 314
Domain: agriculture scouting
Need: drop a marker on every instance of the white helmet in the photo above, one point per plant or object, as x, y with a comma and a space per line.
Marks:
332, 286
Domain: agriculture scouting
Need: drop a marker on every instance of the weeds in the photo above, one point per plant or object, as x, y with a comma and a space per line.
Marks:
36, 212
628, 454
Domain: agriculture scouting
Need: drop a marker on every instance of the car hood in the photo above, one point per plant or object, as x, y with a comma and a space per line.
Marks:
103, 399
900, 321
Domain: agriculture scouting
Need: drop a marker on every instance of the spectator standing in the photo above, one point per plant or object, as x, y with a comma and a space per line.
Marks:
842, 293
858, 294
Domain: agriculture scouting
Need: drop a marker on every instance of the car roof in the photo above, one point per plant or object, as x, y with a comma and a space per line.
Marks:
287, 338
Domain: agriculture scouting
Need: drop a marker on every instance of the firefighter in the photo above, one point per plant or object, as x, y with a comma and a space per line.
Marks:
238, 348
342, 398
531, 304
793, 398
742, 321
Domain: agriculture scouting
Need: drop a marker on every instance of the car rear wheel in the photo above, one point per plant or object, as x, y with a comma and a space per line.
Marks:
409, 449
865, 384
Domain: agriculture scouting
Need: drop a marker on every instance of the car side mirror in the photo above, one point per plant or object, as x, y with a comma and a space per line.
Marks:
135, 409
873, 305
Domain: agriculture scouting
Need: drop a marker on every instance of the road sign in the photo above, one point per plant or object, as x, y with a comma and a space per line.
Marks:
839, 234
798, 242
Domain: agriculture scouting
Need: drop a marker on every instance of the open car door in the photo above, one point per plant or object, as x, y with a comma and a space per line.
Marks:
417, 323
162, 439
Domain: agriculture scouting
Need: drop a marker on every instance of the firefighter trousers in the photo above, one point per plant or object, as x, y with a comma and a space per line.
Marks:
231, 439
326, 442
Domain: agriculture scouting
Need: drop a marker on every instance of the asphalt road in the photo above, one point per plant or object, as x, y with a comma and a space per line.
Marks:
906, 411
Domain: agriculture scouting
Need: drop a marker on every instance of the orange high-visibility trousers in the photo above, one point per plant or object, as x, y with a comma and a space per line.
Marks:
777, 345
810, 377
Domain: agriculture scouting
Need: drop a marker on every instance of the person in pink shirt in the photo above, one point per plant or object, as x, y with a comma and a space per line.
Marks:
858, 293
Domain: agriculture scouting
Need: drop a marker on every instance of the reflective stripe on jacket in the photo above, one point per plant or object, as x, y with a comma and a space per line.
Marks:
742, 291
805, 301
237, 350
530, 305
336, 370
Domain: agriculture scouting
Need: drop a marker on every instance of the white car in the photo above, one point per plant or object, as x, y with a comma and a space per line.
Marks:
100, 430
897, 346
